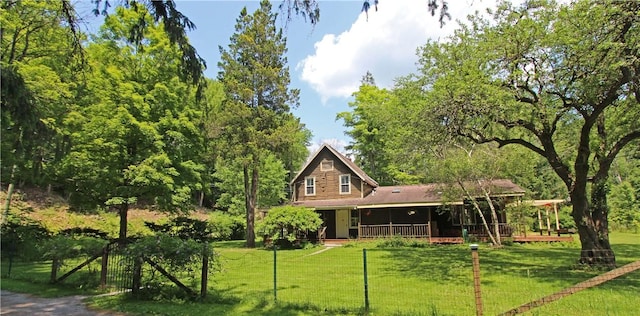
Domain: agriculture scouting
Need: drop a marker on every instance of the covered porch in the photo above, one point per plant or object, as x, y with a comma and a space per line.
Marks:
424, 222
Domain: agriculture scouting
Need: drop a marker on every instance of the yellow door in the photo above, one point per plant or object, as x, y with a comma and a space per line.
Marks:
342, 223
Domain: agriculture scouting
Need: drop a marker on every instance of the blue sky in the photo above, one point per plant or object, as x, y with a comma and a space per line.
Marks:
326, 62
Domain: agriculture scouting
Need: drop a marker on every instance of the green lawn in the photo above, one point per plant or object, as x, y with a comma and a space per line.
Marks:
435, 280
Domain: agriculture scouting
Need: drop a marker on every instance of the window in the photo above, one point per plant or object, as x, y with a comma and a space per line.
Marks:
310, 186
345, 183
326, 165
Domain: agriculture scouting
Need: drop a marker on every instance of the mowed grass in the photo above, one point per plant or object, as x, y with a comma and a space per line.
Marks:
434, 280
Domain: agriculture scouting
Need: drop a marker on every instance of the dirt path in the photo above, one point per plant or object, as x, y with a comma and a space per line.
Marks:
18, 304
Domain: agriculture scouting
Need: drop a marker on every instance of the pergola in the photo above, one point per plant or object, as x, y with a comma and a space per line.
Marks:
547, 204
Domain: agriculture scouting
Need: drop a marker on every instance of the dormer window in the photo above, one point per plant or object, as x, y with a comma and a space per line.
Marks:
345, 184
310, 186
326, 165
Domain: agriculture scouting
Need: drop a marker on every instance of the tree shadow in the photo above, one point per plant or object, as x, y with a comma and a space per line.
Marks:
453, 264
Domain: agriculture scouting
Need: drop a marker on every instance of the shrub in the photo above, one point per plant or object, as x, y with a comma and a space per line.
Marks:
23, 238
176, 255
226, 226
399, 242
185, 228
289, 223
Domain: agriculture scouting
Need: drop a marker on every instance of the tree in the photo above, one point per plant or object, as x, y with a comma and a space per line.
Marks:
38, 88
559, 80
289, 222
366, 123
271, 191
467, 171
255, 120
136, 140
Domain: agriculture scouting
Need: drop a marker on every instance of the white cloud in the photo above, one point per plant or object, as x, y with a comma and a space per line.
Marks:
385, 45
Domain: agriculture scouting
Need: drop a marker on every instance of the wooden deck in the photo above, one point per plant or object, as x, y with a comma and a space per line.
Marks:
538, 238
459, 240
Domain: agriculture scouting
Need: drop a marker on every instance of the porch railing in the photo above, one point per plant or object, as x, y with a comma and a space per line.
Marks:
479, 230
389, 230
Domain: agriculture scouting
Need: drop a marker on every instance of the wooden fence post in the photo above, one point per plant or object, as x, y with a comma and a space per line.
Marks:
204, 280
54, 269
104, 267
476, 278
137, 276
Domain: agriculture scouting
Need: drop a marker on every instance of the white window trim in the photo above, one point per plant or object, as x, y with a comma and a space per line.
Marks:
326, 169
306, 186
340, 188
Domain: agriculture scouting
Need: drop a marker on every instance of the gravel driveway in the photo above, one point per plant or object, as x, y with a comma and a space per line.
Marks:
29, 305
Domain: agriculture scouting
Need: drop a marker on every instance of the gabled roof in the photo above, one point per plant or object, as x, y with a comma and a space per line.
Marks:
410, 196
350, 164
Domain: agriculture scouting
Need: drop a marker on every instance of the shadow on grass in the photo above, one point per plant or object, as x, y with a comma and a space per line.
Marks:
543, 263
436, 263
218, 303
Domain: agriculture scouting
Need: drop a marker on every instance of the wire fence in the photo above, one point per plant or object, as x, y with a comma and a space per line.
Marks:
434, 280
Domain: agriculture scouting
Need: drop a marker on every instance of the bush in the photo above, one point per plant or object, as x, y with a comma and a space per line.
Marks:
23, 238
176, 255
289, 223
185, 228
400, 242
226, 226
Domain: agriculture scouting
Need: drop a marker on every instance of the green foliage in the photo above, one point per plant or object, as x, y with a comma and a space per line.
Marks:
573, 108
23, 238
38, 88
289, 222
400, 242
367, 125
67, 247
521, 216
255, 120
185, 228
273, 180
625, 209
175, 254
227, 226
137, 139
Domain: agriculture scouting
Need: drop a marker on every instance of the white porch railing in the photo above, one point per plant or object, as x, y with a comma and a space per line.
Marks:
389, 230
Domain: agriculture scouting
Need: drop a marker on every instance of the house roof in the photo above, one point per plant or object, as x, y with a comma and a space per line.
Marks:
350, 164
411, 196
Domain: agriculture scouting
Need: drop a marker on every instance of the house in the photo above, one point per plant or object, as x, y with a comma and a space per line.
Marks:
353, 205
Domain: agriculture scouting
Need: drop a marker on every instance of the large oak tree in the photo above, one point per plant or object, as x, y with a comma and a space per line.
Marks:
560, 80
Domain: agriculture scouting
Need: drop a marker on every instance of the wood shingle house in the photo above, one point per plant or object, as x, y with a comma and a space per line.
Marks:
353, 205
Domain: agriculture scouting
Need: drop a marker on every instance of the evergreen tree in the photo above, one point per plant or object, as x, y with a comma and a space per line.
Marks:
255, 117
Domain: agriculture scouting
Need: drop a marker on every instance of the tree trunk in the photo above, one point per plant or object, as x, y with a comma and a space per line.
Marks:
123, 211
593, 226
251, 196
494, 219
479, 210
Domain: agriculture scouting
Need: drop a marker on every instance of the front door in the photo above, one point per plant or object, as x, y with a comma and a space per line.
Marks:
342, 223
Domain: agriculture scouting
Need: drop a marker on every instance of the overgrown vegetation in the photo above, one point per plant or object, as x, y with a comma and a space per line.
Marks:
292, 224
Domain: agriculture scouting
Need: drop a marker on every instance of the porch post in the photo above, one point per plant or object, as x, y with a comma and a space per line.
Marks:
539, 222
429, 223
555, 210
359, 223
548, 222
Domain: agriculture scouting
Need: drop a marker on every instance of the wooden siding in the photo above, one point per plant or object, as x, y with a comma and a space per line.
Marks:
328, 182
